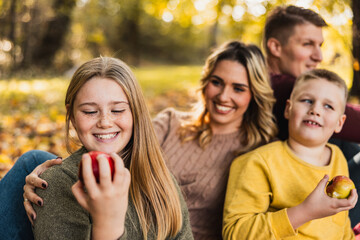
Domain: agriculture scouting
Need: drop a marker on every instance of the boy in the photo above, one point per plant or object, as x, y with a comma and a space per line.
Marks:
293, 37
274, 191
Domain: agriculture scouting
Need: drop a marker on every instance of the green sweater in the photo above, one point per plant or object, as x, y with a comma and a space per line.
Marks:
62, 217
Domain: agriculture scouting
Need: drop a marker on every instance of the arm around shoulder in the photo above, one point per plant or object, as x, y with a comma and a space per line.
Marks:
61, 217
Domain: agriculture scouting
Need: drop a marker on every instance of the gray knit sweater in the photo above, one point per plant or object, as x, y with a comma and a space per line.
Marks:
62, 217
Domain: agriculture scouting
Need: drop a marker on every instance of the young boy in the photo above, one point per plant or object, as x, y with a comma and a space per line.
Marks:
274, 191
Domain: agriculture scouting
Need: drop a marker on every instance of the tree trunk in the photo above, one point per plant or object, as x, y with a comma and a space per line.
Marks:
215, 27
56, 29
355, 90
12, 17
132, 32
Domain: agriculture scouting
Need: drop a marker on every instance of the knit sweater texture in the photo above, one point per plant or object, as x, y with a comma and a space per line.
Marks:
267, 181
201, 173
62, 217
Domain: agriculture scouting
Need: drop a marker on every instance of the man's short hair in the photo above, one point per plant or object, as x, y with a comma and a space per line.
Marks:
280, 23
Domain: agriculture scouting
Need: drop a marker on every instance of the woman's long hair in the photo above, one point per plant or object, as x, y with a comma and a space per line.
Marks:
258, 125
152, 187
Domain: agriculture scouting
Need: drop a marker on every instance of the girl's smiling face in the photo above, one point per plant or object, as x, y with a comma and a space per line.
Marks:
102, 116
227, 96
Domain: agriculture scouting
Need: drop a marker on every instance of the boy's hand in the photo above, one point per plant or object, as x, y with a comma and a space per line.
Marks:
319, 205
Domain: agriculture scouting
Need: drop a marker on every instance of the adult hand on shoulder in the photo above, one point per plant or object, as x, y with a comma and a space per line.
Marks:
319, 205
106, 201
34, 181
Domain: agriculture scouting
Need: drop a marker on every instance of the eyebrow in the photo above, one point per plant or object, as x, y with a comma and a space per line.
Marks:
234, 84
95, 104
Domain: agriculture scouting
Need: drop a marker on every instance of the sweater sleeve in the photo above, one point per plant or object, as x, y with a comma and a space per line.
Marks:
247, 212
162, 124
61, 217
351, 128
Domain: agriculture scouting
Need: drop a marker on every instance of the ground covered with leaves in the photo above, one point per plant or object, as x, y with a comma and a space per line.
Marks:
33, 111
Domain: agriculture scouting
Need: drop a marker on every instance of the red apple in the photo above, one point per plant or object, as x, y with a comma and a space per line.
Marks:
356, 229
95, 165
340, 187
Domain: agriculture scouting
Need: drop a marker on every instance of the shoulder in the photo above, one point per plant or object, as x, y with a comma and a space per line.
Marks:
282, 78
260, 155
66, 173
171, 114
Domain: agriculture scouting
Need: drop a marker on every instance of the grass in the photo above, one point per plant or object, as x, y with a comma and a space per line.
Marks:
33, 112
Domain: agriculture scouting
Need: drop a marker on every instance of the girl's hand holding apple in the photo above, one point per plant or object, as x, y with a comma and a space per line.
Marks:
107, 199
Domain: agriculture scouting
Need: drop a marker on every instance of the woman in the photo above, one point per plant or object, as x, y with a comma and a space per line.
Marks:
233, 116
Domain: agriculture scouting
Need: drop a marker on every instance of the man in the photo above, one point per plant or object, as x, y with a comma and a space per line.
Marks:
292, 40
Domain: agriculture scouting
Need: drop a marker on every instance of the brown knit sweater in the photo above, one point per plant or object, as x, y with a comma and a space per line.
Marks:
201, 173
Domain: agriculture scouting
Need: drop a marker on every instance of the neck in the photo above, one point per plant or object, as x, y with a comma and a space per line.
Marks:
273, 66
318, 155
223, 129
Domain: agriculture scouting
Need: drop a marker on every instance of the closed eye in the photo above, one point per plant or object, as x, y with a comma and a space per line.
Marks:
118, 111
89, 112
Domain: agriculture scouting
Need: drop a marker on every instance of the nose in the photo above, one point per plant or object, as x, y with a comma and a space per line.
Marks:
317, 54
105, 121
314, 110
224, 94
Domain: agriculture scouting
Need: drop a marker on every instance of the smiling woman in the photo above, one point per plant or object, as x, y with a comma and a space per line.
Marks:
227, 96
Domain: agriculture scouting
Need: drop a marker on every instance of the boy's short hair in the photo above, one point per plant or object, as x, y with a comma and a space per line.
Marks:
324, 74
280, 23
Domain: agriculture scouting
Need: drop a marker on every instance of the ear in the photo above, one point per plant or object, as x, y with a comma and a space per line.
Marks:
340, 123
274, 47
287, 109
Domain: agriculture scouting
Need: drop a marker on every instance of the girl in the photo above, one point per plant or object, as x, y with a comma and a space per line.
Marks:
107, 109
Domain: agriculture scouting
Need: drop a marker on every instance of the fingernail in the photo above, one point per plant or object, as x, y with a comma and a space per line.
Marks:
59, 157
44, 185
40, 203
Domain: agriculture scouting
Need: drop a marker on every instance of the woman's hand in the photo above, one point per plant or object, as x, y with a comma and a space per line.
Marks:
319, 205
107, 200
33, 181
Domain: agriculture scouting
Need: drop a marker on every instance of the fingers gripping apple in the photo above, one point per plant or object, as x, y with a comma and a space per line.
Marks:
339, 187
95, 165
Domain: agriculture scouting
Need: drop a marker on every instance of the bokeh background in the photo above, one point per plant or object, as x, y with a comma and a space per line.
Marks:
164, 41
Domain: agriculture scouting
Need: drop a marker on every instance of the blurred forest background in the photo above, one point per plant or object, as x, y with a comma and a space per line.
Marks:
164, 41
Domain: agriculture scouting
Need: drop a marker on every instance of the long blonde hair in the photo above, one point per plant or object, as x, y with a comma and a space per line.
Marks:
258, 125
152, 187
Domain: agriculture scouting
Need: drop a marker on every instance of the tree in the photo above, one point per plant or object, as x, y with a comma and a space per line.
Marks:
56, 29
355, 90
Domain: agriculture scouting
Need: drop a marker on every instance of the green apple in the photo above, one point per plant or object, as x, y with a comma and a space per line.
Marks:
339, 187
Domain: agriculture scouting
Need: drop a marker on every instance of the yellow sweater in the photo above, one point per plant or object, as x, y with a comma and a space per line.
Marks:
265, 182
